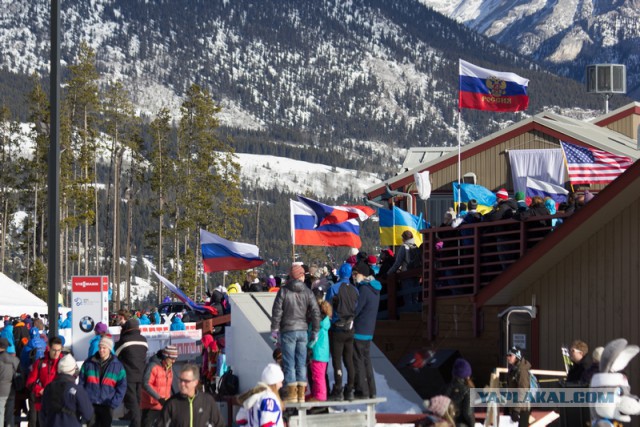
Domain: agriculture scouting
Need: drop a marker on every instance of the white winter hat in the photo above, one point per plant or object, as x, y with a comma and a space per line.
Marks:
272, 374
67, 365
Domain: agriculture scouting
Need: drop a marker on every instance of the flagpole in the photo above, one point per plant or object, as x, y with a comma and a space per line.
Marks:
459, 126
459, 149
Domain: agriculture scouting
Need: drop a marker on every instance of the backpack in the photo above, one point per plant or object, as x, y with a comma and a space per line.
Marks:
414, 257
229, 384
344, 305
534, 385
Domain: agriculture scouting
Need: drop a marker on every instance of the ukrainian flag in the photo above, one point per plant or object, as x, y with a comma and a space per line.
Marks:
393, 222
485, 198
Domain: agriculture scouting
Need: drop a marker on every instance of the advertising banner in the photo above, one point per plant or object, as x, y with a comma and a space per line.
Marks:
89, 306
159, 336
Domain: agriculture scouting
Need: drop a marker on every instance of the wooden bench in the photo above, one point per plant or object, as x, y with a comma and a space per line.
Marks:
303, 419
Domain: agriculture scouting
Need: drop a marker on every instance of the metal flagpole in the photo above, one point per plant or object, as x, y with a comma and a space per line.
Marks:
459, 150
459, 130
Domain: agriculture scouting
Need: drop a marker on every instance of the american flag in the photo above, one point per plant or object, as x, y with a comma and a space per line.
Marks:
591, 166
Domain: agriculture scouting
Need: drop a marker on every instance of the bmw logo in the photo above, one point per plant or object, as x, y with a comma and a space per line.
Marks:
86, 324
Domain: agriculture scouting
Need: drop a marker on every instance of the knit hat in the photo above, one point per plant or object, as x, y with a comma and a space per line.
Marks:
4, 343
439, 405
353, 251
272, 374
132, 323
363, 268
67, 365
372, 259
296, 272
107, 342
170, 351
461, 368
100, 328
519, 196
516, 352
472, 204
502, 194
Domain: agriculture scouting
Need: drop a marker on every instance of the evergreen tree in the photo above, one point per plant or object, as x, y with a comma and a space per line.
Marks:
162, 179
209, 195
9, 182
82, 107
120, 126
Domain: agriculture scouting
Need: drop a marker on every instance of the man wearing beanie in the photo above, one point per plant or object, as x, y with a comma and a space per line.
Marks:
64, 403
343, 297
518, 376
364, 326
156, 384
131, 350
105, 380
504, 209
458, 391
43, 371
99, 331
289, 324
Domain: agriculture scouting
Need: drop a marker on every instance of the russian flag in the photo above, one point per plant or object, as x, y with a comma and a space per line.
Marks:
219, 254
183, 297
316, 224
489, 90
543, 189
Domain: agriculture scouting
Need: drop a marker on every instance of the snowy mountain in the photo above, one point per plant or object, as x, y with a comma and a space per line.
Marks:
568, 35
324, 70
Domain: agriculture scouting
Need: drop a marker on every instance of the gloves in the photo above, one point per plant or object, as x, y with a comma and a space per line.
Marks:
162, 401
274, 336
515, 417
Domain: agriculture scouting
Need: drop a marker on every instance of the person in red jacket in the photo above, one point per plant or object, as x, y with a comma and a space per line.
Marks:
43, 371
156, 384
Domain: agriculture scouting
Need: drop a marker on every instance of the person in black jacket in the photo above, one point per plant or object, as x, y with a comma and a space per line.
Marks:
65, 403
191, 407
577, 352
131, 350
459, 393
293, 303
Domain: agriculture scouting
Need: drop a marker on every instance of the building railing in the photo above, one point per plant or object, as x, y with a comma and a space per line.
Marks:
463, 260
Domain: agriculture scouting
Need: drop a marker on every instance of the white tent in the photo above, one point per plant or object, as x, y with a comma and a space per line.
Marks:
16, 300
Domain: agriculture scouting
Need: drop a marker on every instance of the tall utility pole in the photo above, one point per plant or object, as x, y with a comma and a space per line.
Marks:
53, 237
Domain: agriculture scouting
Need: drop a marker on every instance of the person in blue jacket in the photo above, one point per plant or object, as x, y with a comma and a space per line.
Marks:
155, 316
177, 324
100, 330
66, 323
144, 319
37, 344
7, 332
365, 325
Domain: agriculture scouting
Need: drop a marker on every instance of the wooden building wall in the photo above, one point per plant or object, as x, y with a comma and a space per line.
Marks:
627, 126
491, 165
593, 293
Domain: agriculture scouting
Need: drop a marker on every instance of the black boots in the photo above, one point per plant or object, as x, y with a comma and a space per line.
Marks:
336, 394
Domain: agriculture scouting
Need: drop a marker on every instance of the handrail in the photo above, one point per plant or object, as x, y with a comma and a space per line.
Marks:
472, 256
